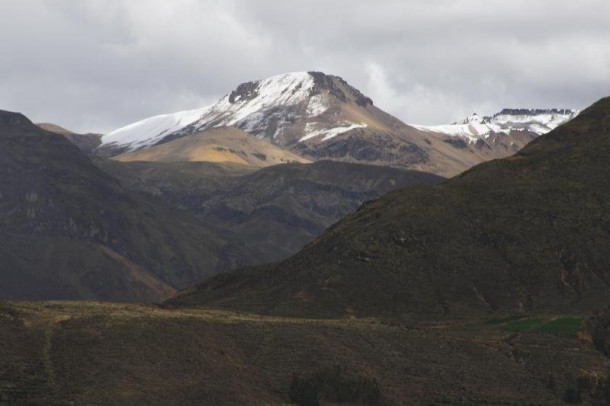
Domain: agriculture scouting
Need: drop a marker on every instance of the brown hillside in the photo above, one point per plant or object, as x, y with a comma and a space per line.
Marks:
221, 145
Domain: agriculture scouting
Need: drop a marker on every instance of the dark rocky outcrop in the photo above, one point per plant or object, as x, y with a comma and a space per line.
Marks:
245, 91
333, 85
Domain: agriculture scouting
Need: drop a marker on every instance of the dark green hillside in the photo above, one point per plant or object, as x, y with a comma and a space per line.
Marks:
68, 230
529, 232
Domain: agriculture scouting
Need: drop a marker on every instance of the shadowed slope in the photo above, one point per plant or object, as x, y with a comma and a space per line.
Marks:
85, 142
70, 231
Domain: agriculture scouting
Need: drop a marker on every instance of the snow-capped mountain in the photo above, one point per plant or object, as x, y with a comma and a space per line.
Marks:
319, 116
283, 109
475, 127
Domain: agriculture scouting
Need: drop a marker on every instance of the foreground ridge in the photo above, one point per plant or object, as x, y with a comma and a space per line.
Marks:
262, 359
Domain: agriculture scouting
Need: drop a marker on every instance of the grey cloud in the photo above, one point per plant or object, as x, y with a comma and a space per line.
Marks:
94, 65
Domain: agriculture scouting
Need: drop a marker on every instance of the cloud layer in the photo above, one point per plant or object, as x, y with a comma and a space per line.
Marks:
94, 65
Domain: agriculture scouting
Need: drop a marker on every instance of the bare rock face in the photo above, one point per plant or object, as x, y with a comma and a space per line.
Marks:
333, 85
245, 91
372, 148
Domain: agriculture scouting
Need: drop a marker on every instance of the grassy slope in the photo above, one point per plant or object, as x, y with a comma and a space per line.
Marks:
105, 353
220, 144
528, 232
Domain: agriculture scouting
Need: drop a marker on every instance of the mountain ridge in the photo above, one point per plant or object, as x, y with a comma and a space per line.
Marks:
85, 142
320, 116
506, 121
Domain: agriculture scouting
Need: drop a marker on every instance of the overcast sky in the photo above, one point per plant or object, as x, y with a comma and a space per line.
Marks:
95, 65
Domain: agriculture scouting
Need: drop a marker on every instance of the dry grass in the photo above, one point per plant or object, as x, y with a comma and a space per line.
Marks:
115, 353
221, 145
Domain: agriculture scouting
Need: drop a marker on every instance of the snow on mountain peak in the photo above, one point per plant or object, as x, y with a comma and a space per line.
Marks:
538, 121
288, 88
474, 118
267, 108
244, 106
151, 130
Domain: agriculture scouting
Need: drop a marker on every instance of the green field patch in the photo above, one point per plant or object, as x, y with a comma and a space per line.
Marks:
562, 325
522, 324
541, 324
505, 319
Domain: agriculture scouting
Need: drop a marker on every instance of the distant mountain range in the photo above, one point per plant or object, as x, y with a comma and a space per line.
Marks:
319, 116
507, 121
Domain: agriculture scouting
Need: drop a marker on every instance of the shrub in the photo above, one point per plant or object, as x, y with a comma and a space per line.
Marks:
335, 385
304, 392
572, 395
589, 389
599, 328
